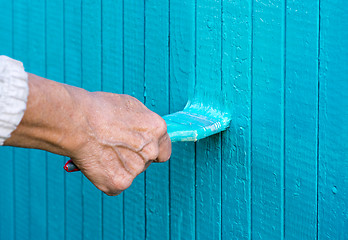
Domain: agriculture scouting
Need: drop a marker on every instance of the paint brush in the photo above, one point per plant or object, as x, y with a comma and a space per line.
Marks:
193, 123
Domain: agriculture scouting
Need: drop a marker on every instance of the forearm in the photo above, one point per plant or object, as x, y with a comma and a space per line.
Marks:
51, 117
111, 138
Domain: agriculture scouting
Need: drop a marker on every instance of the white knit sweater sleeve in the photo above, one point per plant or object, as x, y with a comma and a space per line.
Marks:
14, 92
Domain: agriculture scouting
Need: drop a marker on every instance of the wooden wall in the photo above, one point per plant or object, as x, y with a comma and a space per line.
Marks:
279, 172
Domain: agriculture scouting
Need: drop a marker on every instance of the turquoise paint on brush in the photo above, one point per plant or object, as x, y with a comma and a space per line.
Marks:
278, 172
196, 122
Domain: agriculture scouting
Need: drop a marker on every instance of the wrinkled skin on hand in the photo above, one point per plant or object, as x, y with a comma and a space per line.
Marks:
123, 138
111, 138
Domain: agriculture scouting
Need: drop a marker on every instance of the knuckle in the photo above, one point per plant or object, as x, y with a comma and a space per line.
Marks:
124, 183
152, 151
160, 125
118, 185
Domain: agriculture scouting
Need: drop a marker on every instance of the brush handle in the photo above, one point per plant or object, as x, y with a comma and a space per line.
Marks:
70, 166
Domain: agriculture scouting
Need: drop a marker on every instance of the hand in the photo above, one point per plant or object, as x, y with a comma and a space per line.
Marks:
122, 138
111, 138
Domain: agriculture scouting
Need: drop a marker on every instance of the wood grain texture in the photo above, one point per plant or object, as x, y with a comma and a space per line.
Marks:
278, 172
7, 217
73, 76
268, 120
157, 99
112, 81
208, 151
333, 128
92, 76
301, 116
134, 57
182, 162
236, 141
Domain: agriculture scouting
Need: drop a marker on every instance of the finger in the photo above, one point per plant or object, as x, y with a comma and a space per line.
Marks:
165, 149
132, 161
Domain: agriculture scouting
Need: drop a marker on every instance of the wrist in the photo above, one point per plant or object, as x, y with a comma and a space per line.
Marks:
53, 120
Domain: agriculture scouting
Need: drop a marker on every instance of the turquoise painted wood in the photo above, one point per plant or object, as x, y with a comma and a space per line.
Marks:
7, 191
236, 141
279, 172
301, 130
333, 112
267, 150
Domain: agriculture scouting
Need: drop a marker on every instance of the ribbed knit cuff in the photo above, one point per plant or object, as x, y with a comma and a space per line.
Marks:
14, 93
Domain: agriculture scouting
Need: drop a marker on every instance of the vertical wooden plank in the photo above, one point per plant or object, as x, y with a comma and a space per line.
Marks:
301, 113
112, 81
91, 75
236, 141
6, 28
55, 71
6, 153
7, 194
73, 76
157, 99
21, 156
182, 162
133, 27
333, 114
268, 120
208, 151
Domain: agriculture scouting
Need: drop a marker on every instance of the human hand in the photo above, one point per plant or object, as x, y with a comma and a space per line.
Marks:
111, 138
123, 138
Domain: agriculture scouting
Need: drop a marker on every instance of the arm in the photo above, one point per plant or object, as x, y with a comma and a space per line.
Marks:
111, 138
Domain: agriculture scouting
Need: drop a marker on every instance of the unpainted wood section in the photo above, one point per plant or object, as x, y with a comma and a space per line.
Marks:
236, 145
333, 128
268, 120
91, 75
73, 76
182, 162
301, 116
